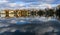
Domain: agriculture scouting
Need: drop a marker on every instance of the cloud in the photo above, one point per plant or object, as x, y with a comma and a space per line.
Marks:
40, 6
3, 1
3, 25
48, 1
16, 4
12, 4
46, 5
13, 21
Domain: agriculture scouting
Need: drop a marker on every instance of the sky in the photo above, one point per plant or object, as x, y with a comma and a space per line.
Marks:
21, 4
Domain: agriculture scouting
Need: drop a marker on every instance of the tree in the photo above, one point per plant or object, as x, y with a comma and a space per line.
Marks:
7, 13
58, 11
40, 12
33, 13
49, 12
15, 13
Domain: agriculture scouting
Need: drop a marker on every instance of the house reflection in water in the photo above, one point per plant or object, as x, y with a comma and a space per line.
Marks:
14, 13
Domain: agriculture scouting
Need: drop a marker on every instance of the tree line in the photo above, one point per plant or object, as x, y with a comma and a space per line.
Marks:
26, 13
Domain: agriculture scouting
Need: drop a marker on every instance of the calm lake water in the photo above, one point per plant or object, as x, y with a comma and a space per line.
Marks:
29, 26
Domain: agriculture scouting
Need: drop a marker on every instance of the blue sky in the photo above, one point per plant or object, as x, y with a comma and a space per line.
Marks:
17, 4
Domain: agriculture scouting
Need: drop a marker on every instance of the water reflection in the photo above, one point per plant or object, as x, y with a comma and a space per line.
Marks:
33, 26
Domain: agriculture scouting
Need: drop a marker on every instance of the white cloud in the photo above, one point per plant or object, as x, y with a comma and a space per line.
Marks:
12, 4
13, 21
3, 1
21, 5
42, 6
15, 5
4, 25
46, 5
